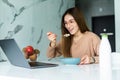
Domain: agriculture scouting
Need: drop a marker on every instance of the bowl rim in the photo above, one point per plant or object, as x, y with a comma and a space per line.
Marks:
68, 60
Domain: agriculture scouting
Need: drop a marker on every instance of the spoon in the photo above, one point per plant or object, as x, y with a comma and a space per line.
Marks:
66, 35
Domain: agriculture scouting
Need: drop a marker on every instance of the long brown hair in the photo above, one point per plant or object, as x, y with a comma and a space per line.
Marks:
66, 42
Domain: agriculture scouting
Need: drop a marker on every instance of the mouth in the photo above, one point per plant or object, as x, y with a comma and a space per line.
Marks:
70, 29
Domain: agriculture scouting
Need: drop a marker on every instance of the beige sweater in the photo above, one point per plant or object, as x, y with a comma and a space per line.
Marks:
88, 44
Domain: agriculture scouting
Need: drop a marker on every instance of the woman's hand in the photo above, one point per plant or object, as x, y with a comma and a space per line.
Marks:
51, 36
86, 60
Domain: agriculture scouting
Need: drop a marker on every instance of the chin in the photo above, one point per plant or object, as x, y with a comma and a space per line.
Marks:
72, 33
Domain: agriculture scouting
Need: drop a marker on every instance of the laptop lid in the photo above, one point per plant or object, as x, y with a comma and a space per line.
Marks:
16, 57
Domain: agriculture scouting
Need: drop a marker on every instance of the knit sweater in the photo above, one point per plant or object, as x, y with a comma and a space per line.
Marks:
88, 44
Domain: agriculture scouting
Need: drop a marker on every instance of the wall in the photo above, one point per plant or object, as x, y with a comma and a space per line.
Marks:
117, 24
100, 8
92, 8
28, 21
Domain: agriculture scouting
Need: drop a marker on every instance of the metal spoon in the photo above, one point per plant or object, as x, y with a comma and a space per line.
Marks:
66, 35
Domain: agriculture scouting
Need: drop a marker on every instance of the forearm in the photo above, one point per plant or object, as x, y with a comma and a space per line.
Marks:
53, 50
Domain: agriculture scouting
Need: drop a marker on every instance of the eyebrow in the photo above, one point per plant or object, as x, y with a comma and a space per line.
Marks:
70, 20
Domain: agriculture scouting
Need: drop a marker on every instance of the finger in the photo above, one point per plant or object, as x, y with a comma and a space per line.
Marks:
49, 33
52, 37
81, 63
83, 58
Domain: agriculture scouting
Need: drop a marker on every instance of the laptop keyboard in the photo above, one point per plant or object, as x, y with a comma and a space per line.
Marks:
33, 64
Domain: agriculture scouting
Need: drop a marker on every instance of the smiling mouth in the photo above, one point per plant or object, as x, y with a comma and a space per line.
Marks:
70, 30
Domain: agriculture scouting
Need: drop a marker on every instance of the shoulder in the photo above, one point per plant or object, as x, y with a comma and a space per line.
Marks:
89, 33
92, 35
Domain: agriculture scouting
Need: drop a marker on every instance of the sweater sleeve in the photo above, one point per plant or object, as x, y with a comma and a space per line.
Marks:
96, 43
54, 51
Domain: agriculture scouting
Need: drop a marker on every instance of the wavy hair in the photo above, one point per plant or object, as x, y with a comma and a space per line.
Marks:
66, 42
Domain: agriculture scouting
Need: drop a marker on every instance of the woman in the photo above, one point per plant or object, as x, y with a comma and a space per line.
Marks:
81, 43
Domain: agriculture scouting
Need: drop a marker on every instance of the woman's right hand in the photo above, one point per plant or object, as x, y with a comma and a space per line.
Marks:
51, 36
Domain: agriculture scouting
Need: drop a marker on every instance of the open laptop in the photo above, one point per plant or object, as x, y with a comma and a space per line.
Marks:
16, 57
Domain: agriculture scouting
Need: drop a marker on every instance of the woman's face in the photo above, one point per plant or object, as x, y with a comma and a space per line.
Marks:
70, 24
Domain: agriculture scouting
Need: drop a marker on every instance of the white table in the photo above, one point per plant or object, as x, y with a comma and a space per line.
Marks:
62, 72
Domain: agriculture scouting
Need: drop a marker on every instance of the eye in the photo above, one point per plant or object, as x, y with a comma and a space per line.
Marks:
65, 23
72, 21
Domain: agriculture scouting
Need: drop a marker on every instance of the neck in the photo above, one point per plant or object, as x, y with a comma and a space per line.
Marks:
77, 36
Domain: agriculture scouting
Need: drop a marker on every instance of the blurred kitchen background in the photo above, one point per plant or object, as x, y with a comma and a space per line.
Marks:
28, 21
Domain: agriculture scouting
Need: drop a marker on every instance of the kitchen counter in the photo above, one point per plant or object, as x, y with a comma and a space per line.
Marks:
61, 72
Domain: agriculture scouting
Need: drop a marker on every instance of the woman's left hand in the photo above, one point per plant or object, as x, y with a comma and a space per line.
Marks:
85, 60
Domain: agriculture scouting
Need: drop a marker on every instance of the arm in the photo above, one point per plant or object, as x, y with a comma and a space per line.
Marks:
94, 48
53, 50
96, 43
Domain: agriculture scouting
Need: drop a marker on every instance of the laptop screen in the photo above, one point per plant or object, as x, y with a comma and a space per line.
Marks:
16, 57
13, 53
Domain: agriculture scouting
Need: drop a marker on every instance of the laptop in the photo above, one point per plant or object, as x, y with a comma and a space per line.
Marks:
16, 57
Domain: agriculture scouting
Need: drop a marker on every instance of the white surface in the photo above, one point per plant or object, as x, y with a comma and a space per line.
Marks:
116, 60
62, 72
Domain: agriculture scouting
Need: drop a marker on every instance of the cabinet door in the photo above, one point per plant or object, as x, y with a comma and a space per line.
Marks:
107, 23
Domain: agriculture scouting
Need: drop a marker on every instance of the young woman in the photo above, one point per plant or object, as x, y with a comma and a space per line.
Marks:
76, 40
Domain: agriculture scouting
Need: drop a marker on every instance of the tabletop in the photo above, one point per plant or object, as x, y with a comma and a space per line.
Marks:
61, 72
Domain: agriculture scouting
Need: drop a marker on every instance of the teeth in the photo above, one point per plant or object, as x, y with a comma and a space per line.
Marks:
66, 35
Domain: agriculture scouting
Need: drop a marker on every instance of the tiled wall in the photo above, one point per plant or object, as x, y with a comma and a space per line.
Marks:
28, 21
